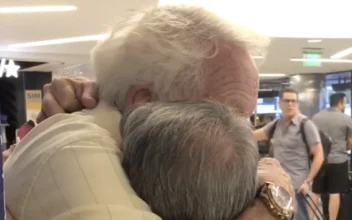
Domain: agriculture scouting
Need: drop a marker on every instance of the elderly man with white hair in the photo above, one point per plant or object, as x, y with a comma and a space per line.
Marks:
69, 166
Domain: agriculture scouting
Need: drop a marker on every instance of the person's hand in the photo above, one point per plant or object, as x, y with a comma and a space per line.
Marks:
305, 188
66, 95
269, 170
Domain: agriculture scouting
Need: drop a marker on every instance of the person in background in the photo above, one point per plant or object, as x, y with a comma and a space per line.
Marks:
338, 126
25, 129
166, 54
290, 149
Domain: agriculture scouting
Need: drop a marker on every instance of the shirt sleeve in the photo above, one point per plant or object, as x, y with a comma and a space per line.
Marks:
89, 178
83, 180
268, 127
311, 133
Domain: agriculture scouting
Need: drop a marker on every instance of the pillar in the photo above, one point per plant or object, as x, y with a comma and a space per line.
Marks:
311, 90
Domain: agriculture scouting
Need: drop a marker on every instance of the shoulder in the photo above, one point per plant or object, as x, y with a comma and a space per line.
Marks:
62, 130
319, 115
62, 147
346, 117
308, 123
56, 134
301, 119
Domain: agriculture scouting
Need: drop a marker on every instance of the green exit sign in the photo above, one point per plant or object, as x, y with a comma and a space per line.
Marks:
311, 59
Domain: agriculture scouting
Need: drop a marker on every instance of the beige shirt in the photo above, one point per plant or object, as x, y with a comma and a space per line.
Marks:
69, 167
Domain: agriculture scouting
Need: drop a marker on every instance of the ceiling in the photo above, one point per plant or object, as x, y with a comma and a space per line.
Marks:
91, 18
281, 50
94, 17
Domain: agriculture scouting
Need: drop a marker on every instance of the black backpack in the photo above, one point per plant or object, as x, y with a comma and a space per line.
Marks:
326, 141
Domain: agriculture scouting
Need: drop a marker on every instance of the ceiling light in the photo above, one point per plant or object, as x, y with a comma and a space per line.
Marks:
342, 53
257, 57
314, 41
265, 21
272, 74
321, 60
33, 9
60, 41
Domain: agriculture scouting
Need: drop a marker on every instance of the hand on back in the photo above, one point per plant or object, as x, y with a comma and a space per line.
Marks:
66, 95
269, 170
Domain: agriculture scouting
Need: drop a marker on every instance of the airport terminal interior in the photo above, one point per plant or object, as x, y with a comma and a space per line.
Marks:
310, 53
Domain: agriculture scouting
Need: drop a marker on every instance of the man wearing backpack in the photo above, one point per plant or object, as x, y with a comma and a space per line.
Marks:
338, 126
291, 150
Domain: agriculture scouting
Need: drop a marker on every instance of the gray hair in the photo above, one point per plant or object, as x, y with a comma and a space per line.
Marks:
165, 48
190, 160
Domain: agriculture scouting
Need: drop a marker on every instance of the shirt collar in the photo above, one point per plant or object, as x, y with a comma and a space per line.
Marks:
108, 118
334, 109
295, 119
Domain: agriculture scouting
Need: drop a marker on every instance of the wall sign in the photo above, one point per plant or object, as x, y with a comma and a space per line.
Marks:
33, 103
8, 69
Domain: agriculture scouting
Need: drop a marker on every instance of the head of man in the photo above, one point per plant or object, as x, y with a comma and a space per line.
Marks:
190, 160
289, 103
178, 53
338, 100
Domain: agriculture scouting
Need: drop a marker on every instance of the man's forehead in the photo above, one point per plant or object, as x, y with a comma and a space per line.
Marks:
289, 95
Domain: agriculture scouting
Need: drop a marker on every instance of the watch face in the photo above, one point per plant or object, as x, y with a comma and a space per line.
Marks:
282, 198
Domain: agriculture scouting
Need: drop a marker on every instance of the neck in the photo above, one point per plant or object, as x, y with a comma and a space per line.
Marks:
287, 118
337, 107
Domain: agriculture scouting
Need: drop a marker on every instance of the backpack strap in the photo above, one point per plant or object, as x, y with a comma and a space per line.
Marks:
304, 138
272, 130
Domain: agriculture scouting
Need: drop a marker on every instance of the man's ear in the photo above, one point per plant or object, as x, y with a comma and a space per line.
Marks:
139, 95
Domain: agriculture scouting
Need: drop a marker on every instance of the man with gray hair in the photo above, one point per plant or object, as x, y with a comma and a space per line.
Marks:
69, 166
190, 160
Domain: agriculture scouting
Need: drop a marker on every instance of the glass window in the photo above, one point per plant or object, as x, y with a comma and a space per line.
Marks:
338, 82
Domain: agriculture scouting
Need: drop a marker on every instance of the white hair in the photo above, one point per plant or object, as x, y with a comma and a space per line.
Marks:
164, 48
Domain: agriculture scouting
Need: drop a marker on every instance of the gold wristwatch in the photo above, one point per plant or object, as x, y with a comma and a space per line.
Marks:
278, 200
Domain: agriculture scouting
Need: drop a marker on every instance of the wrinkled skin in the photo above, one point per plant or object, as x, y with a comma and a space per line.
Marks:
233, 79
